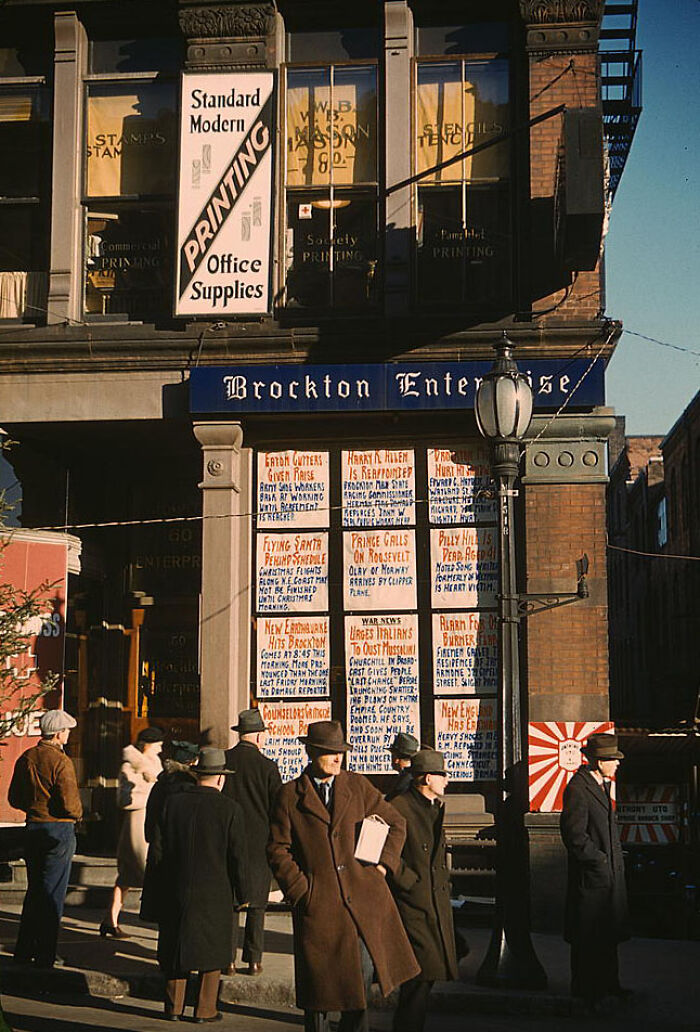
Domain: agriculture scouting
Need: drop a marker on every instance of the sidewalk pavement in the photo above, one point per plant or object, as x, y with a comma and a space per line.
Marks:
664, 972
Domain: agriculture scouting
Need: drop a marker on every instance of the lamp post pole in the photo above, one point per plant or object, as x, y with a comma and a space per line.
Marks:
504, 409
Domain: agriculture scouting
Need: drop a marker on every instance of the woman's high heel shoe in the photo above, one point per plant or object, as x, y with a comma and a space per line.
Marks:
114, 930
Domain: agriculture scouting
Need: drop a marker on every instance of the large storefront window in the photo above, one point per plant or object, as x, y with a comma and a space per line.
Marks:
463, 218
130, 164
331, 178
25, 177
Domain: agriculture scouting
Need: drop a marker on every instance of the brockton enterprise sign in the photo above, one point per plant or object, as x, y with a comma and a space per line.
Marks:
377, 388
225, 194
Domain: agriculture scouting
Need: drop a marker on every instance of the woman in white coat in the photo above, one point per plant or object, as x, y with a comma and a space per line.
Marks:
140, 767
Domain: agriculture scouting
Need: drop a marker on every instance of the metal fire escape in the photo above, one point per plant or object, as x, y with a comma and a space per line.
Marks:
621, 83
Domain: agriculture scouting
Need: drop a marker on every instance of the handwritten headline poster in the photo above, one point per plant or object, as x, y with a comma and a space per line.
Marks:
465, 653
285, 721
379, 569
459, 485
464, 567
379, 488
293, 489
292, 572
466, 732
381, 661
293, 656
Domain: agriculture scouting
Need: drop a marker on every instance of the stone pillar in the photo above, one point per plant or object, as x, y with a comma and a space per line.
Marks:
566, 670
65, 277
225, 606
398, 44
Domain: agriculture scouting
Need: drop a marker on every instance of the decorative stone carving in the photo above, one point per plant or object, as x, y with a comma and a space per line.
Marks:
550, 12
238, 20
565, 462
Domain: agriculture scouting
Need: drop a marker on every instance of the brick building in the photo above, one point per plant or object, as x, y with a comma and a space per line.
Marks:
425, 176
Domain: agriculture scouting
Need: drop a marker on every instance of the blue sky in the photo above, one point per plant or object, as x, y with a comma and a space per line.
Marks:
653, 246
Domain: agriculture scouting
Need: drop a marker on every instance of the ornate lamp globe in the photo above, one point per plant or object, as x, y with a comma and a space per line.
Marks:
504, 398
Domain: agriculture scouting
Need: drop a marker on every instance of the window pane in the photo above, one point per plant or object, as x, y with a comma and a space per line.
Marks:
466, 260
454, 115
307, 256
23, 261
128, 262
343, 45
131, 140
355, 252
25, 137
477, 38
343, 139
149, 54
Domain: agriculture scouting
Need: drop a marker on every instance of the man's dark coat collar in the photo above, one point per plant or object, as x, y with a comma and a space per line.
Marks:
310, 800
591, 784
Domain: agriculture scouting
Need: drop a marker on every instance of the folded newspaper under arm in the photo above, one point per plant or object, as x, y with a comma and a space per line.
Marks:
370, 843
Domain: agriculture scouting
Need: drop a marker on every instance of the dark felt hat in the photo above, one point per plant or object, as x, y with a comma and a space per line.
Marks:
210, 761
602, 747
249, 721
326, 735
150, 734
184, 752
428, 761
404, 745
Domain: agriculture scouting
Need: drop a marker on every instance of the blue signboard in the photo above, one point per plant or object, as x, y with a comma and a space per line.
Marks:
389, 387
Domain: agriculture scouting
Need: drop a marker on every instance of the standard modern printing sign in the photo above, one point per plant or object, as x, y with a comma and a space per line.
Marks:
225, 194
391, 386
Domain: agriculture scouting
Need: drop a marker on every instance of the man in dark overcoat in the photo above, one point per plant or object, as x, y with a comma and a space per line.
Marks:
596, 918
198, 857
421, 887
254, 786
346, 925
175, 777
402, 750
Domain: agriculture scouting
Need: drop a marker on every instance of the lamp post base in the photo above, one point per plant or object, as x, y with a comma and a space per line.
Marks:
511, 963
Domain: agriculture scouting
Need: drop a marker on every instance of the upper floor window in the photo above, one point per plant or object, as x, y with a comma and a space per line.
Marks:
463, 205
331, 178
25, 168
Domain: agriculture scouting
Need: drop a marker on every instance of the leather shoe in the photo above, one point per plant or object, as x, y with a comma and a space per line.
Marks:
205, 1021
255, 968
46, 962
230, 970
114, 930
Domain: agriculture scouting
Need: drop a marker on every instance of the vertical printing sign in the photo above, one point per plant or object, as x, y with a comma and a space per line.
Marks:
225, 194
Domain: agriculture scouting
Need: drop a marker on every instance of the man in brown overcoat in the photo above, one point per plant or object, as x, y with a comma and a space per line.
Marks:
346, 925
421, 887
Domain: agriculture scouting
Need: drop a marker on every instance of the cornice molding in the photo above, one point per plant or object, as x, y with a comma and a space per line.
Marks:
561, 12
237, 21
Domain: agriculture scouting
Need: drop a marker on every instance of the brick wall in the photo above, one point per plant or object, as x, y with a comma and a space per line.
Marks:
567, 648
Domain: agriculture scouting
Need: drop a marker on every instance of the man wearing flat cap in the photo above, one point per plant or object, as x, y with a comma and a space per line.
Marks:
45, 787
197, 861
402, 750
421, 887
254, 786
596, 918
347, 930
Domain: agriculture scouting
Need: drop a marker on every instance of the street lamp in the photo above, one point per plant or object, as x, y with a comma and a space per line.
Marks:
503, 413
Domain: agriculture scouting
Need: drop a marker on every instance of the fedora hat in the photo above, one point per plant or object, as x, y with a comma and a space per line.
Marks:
404, 745
326, 735
249, 721
210, 761
428, 761
602, 747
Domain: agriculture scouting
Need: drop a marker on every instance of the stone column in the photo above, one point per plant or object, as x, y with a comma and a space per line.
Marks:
65, 277
226, 564
398, 47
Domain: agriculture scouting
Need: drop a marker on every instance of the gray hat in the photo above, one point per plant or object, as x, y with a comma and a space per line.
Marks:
602, 747
326, 735
249, 721
428, 761
404, 745
210, 761
54, 720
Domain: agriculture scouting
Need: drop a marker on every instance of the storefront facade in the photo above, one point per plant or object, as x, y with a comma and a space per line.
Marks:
240, 357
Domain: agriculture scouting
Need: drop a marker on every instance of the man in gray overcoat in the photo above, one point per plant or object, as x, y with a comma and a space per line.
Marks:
596, 918
196, 861
346, 925
421, 887
254, 786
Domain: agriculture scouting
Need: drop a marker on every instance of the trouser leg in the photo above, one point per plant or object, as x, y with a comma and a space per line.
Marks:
358, 1021
56, 872
208, 994
593, 969
30, 920
412, 1007
175, 989
316, 1021
253, 937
